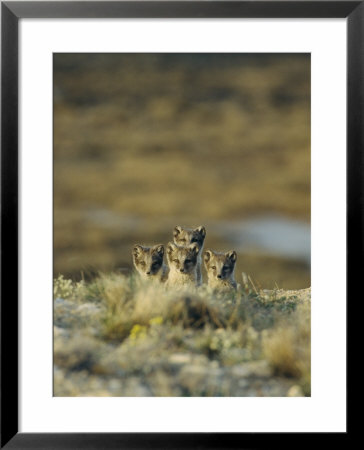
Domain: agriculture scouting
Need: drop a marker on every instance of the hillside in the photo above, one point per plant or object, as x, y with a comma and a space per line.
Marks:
116, 336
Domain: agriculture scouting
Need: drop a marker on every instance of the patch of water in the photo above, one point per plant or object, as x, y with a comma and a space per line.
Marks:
272, 234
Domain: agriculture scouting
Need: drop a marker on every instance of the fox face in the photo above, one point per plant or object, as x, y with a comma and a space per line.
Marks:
148, 260
182, 259
186, 236
220, 266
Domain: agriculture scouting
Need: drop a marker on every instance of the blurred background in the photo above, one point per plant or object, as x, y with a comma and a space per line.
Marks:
144, 142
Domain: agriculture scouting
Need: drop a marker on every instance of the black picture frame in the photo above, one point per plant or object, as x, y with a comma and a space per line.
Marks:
11, 12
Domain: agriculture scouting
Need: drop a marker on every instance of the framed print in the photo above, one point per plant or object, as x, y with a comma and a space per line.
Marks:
178, 179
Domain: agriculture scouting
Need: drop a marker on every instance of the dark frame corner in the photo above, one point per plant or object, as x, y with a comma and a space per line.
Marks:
11, 12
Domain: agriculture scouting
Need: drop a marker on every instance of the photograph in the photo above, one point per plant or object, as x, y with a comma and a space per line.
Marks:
181, 224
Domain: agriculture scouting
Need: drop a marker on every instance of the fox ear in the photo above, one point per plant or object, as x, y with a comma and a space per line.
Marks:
207, 256
177, 231
232, 255
201, 230
159, 249
170, 247
137, 250
194, 247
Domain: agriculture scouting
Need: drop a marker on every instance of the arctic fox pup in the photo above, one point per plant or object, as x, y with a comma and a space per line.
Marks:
220, 269
182, 262
185, 236
148, 261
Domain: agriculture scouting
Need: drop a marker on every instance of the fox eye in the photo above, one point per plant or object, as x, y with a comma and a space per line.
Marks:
142, 263
187, 261
175, 260
213, 267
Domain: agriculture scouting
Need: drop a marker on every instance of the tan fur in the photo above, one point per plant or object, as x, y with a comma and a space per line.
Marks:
186, 236
220, 269
148, 261
182, 262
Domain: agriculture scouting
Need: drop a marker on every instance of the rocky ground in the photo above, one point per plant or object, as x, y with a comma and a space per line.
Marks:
260, 348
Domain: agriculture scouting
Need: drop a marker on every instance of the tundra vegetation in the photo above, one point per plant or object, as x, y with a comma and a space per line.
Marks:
143, 142
118, 335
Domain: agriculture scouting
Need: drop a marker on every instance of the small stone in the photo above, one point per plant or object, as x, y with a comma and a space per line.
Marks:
243, 383
252, 369
193, 378
180, 358
295, 391
88, 309
214, 364
201, 360
58, 331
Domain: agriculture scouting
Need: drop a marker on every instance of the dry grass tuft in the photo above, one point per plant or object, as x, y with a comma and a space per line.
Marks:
286, 346
195, 312
123, 336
